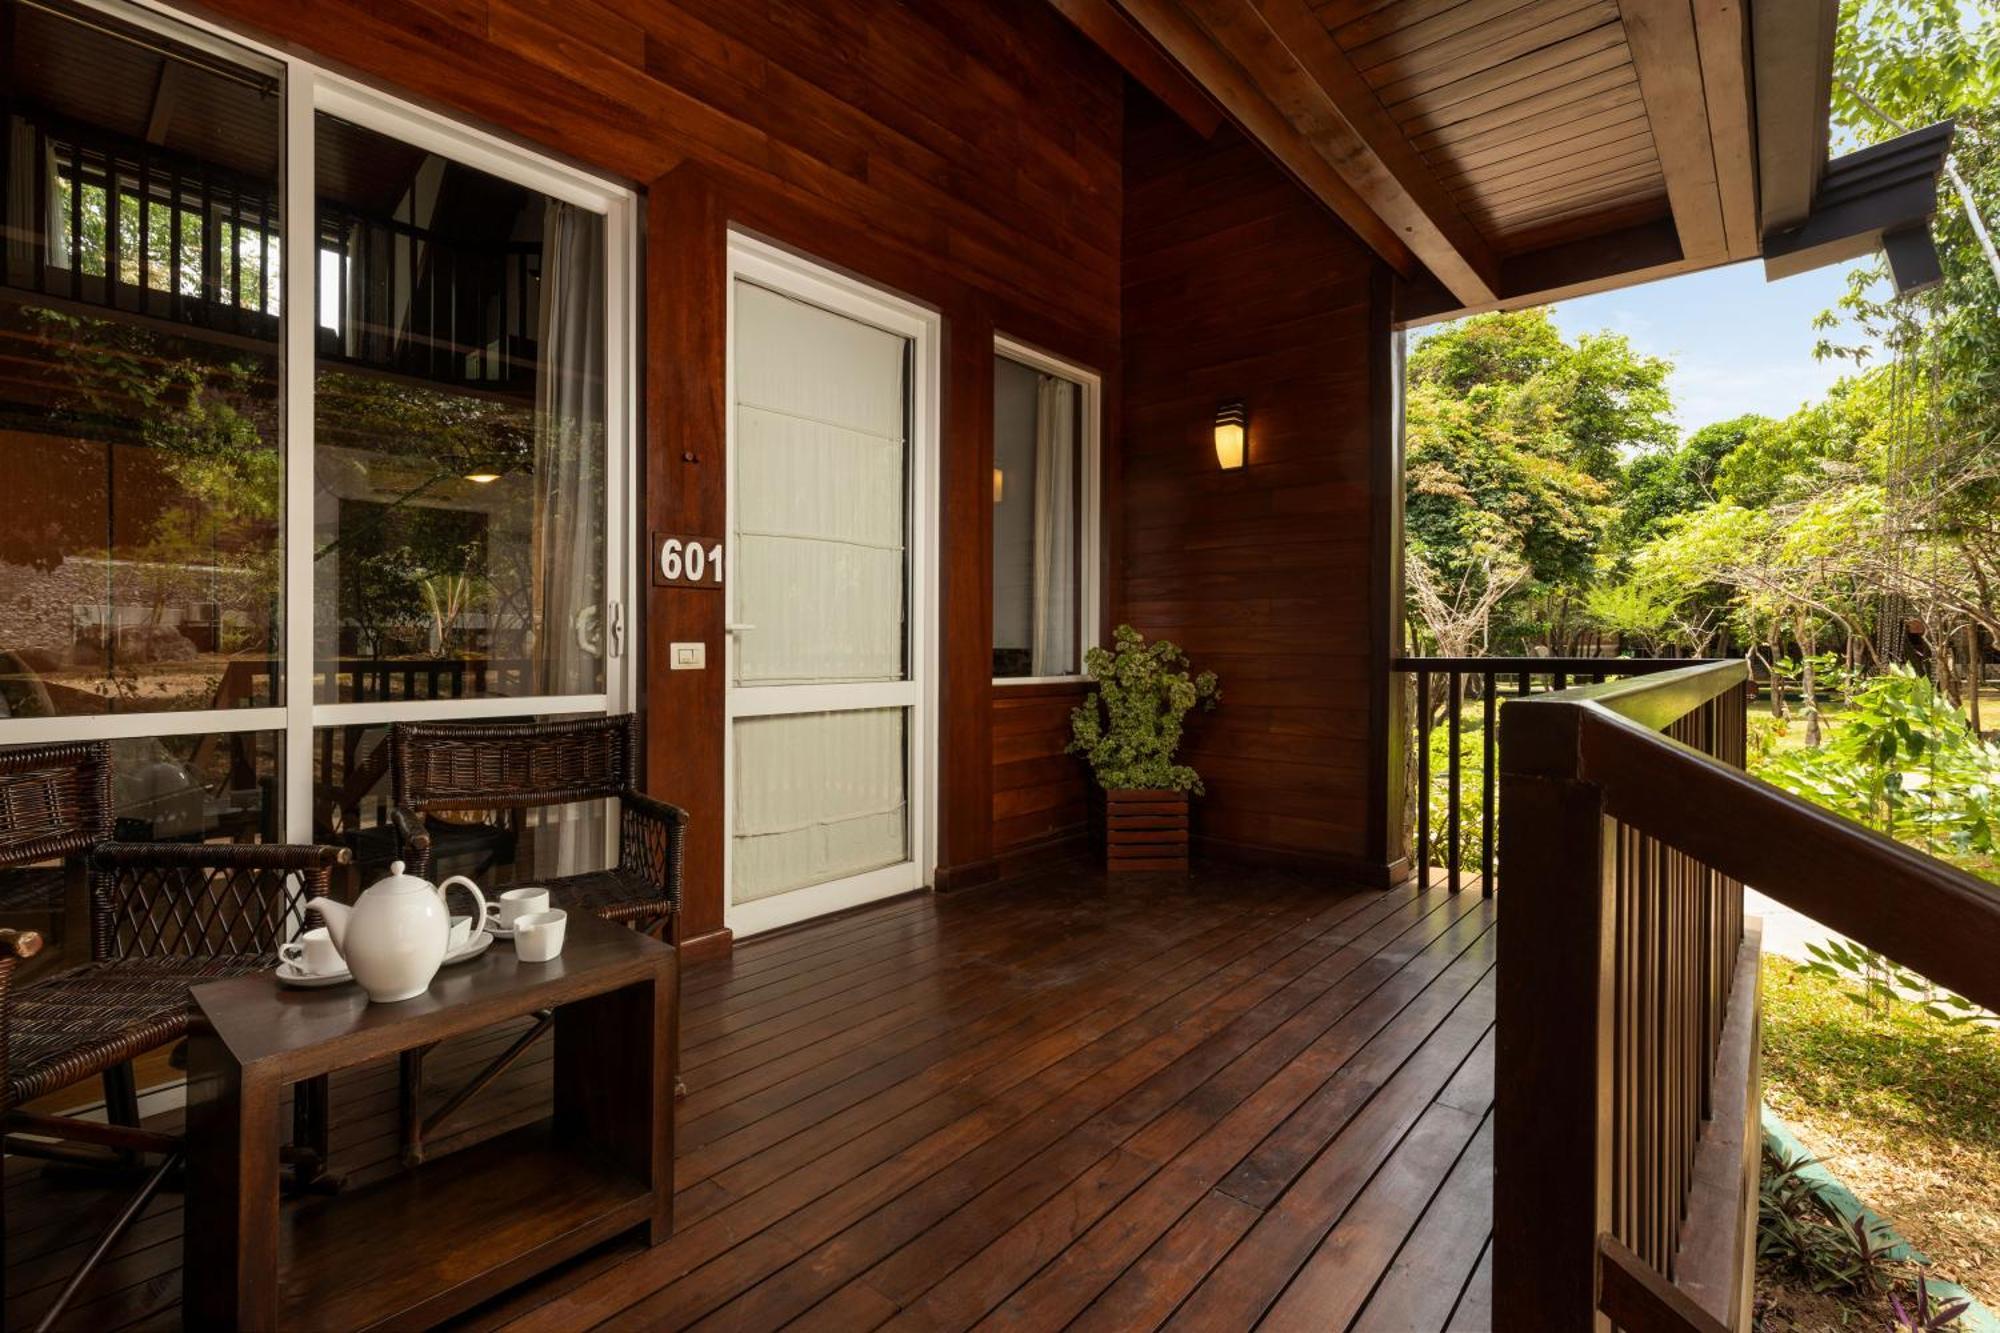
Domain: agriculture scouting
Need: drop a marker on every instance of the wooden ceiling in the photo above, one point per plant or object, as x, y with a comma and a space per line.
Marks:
1499, 152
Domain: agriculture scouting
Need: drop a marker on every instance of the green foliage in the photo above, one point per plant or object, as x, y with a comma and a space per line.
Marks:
1514, 446
1637, 609
1471, 779
1129, 728
1902, 760
1876, 981
1665, 483
1800, 1232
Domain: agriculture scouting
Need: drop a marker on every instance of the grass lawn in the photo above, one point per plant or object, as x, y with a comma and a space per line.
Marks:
1905, 1110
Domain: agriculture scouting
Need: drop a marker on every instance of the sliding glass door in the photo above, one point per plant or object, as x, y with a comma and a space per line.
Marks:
319, 418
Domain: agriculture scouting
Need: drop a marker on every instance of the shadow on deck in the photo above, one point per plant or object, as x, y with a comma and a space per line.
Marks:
1058, 1102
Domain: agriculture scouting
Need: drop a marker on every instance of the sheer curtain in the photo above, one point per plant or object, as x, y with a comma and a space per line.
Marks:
1054, 652
569, 472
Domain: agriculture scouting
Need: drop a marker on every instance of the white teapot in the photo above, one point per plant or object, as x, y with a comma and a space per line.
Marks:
396, 935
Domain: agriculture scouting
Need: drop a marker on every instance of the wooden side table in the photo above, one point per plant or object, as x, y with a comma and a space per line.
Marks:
427, 1244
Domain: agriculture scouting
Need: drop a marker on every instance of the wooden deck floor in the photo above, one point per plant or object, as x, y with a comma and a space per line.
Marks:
1243, 1100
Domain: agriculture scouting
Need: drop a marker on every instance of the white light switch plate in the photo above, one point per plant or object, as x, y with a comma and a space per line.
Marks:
688, 656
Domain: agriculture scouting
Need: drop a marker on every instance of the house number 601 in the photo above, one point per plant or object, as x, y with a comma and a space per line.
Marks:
687, 562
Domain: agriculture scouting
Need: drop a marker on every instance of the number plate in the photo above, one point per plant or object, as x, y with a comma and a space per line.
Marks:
681, 561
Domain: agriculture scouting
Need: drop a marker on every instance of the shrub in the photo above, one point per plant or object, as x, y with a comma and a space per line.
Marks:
1129, 728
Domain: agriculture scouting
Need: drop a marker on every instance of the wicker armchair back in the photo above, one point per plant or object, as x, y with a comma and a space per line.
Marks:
55, 800
470, 766
154, 900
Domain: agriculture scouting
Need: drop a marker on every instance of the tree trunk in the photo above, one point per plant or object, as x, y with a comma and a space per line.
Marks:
1973, 674
1777, 646
1808, 692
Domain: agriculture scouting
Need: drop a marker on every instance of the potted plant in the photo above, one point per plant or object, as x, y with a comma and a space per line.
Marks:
1129, 728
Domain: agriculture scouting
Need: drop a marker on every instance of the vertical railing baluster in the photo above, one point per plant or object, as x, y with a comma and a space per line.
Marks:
1423, 778
1489, 743
1454, 797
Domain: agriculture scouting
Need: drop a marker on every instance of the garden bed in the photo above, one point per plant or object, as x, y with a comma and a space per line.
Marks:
1905, 1110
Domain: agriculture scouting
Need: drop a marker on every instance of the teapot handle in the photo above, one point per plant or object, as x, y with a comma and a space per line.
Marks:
479, 921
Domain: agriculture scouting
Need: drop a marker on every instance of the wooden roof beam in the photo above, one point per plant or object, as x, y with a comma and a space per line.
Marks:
1722, 31
1108, 27
1792, 43
1274, 67
1666, 54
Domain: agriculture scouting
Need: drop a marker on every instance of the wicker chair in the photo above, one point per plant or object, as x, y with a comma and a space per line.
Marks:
163, 917
503, 769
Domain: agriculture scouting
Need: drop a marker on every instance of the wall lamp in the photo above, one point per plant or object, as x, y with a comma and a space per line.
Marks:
1232, 426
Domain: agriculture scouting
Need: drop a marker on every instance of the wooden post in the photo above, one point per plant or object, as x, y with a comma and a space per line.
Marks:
1552, 1102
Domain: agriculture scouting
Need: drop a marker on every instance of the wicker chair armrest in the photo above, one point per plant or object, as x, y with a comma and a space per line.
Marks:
651, 838
413, 839
232, 855
659, 810
151, 899
17, 944
14, 946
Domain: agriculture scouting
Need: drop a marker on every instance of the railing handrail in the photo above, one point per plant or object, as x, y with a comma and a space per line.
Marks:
1571, 665
1619, 837
1938, 921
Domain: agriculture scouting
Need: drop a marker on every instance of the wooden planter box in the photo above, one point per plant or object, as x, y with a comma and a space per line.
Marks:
1145, 830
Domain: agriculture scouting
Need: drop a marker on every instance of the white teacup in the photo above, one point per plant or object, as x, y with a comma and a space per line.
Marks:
511, 906
313, 953
538, 936
461, 933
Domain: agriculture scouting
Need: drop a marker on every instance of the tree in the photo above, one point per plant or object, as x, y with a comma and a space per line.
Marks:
1516, 441
1661, 484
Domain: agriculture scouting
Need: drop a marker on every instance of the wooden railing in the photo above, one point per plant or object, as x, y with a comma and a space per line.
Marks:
1625, 1146
1454, 683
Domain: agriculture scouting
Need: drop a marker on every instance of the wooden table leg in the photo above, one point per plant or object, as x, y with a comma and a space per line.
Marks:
230, 1234
614, 1080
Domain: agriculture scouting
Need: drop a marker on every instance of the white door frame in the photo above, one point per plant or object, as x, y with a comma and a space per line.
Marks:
800, 278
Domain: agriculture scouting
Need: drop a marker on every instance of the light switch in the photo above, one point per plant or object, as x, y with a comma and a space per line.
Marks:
689, 656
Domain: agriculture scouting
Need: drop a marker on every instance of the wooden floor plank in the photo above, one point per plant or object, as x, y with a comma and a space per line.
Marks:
1171, 1205
1420, 1289
1065, 1101
1066, 1199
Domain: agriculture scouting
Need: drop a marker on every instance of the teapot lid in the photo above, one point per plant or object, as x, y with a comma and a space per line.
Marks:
396, 881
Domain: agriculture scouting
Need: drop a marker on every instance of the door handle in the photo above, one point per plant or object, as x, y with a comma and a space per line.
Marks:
738, 629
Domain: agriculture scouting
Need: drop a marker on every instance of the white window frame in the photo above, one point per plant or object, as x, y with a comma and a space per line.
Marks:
1090, 573
789, 274
309, 89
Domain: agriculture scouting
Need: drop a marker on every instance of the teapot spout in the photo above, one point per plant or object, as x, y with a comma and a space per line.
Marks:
335, 915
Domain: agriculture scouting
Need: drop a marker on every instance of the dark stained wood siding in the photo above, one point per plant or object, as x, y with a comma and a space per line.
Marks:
1040, 794
963, 153
1236, 286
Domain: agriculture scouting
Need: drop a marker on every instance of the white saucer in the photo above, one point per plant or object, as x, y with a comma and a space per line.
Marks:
475, 946
499, 932
289, 975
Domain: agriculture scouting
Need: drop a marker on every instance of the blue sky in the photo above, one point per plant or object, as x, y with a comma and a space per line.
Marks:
1738, 343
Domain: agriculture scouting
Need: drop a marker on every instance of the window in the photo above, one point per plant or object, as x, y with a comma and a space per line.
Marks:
256, 511
1044, 515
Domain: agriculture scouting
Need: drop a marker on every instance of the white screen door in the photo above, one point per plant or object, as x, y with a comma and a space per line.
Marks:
826, 657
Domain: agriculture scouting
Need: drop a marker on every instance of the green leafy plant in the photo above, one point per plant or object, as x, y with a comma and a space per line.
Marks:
1129, 728
1800, 1231
1920, 1316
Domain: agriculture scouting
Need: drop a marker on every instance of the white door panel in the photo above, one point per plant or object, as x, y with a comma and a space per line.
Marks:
827, 769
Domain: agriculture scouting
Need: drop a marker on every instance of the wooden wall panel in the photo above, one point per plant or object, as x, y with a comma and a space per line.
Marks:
964, 154
1235, 285
1040, 793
